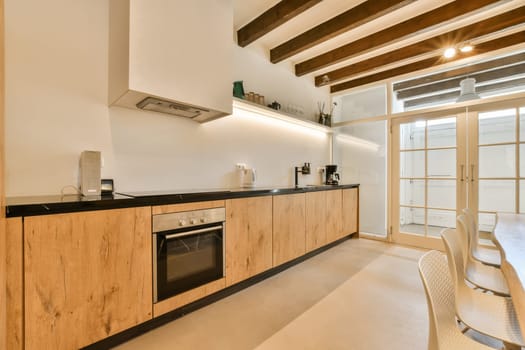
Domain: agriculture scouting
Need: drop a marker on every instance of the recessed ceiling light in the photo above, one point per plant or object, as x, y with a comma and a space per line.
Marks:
466, 48
449, 52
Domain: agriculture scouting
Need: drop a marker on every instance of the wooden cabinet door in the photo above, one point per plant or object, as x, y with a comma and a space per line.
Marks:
350, 212
87, 276
334, 215
248, 237
288, 227
315, 220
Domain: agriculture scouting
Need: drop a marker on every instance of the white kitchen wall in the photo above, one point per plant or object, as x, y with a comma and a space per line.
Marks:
56, 93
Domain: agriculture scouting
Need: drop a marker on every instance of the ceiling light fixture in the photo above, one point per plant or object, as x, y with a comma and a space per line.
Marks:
449, 52
468, 90
466, 48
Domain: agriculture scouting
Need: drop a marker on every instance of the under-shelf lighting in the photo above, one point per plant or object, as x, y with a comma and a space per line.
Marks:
265, 112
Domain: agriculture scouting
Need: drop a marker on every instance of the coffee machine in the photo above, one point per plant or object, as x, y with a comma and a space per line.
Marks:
332, 177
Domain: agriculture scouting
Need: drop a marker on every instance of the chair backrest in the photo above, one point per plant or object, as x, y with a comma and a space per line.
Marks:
439, 291
463, 238
454, 249
471, 229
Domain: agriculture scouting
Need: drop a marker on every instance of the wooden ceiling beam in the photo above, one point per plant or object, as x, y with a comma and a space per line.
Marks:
488, 46
452, 96
430, 79
481, 77
404, 30
271, 19
353, 18
435, 45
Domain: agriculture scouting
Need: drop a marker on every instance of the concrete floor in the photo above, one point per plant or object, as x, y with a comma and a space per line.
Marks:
362, 294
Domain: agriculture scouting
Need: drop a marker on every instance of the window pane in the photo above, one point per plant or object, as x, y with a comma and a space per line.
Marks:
522, 196
442, 194
361, 163
522, 160
441, 132
497, 126
412, 164
367, 102
522, 124
412, 220
412, 192
440, 219
496, 195
497, 161
442, 163
412, 135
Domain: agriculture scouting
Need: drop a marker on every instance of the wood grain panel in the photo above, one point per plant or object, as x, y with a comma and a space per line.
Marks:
350, 212
15, 291
401, 31
282, 12
87, 276
173, 208
190, 296
334, 215
353, 18
3, 285
315, 220
3, 273
248, 237
288, 227
488, 46
433, 45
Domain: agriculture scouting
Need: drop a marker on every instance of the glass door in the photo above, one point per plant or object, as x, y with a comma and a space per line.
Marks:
428, 177
497, 165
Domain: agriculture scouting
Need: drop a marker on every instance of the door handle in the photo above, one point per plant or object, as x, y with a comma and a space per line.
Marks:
471, 172
462, 171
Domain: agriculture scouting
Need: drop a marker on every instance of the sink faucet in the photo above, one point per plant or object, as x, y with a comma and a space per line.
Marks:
305, 170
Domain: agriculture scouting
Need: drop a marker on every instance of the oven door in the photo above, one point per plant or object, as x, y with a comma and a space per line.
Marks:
188, 258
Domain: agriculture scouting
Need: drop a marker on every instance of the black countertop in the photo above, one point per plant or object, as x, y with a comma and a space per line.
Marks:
43, 205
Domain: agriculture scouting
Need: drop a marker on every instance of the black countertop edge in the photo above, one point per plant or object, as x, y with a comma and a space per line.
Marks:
45, 205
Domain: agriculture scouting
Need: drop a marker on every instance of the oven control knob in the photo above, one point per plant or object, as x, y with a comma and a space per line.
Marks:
203, 220
182, 222
193, 221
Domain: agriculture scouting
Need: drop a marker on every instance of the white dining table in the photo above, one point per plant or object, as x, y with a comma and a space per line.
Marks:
509, 237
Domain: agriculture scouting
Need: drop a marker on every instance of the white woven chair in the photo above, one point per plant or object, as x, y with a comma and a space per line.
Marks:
487, 256
444, 333
491, 315
482, 276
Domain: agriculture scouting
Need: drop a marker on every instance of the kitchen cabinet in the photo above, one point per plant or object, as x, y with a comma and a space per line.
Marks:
334, 215
15, 291
350, 210
289, 241
315, 220
248, 237
87, 276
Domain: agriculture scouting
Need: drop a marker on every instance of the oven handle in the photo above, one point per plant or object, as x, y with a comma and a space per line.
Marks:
188, 233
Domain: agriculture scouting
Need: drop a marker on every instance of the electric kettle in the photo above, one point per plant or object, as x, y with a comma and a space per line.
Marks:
248, 177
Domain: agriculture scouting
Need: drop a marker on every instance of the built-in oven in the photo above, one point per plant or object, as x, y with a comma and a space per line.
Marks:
188, 250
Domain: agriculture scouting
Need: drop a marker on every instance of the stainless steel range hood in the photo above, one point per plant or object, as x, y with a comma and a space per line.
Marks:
198, 114
159, 60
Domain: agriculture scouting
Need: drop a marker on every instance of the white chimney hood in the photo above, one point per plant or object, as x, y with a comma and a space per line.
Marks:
172, 56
